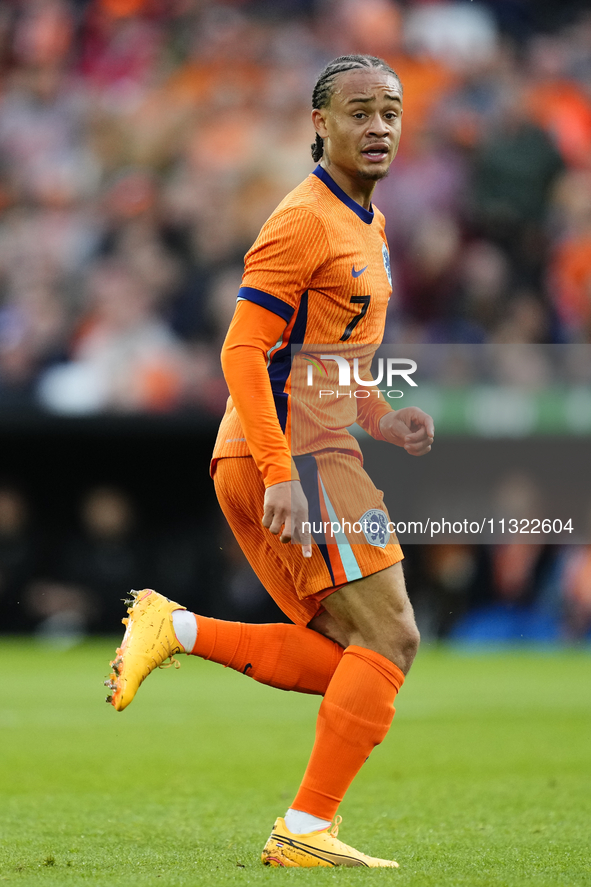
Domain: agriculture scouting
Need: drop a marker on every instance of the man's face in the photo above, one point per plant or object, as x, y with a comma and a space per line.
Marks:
361, 125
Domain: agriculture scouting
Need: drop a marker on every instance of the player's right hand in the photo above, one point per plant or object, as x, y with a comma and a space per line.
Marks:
286, 510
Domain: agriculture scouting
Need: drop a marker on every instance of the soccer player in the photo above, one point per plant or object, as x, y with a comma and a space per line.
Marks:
318, 273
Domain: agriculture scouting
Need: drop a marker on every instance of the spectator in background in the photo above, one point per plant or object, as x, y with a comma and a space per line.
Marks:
557, 97
33, 330
104, 556
19, 554
569, 268
125, 358
575, 586
62, 612
453, 579
515, 169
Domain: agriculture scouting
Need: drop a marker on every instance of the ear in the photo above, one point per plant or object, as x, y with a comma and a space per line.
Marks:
319, 121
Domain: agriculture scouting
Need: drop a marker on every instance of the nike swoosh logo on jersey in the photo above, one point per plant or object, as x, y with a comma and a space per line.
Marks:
358, 273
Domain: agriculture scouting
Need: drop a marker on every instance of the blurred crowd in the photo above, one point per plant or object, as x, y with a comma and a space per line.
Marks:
143, 143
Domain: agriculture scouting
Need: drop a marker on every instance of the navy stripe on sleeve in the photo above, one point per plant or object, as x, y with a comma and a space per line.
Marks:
279, 367
265, 300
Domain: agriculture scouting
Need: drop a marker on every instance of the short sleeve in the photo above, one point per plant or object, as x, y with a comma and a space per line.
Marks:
282, 262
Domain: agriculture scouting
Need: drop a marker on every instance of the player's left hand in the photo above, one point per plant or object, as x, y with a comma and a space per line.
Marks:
410, 428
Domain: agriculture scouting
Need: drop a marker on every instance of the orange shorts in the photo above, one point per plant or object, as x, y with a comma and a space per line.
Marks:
348, 521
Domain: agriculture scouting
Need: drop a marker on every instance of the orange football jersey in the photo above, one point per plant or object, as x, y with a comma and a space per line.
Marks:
321, 264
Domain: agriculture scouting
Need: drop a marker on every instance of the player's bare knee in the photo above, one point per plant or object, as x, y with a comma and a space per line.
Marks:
403, 644
396, 640
403, 636
409, 641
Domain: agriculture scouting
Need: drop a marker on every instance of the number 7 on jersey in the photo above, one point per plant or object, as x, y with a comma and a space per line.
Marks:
356, 300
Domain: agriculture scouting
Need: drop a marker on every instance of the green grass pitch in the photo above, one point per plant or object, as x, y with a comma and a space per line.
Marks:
484, 779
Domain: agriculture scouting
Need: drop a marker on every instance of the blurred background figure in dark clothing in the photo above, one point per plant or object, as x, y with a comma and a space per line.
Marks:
19, 555
106, 554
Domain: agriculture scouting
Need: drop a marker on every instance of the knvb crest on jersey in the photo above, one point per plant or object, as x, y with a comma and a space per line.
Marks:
375, 527
386, 258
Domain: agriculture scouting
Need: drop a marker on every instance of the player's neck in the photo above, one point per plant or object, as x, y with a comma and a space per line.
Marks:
359, 190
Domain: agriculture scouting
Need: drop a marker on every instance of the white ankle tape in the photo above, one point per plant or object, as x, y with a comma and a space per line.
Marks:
299, 823
185, 628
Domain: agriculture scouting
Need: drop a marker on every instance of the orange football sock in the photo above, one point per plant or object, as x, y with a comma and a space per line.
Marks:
289, 657
354, 716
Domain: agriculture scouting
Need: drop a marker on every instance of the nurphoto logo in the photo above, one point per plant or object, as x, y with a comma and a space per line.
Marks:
395, 366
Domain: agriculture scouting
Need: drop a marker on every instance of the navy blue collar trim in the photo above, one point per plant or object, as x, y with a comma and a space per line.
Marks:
366, 215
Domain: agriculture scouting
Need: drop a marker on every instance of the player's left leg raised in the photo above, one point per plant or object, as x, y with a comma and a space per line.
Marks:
289, 657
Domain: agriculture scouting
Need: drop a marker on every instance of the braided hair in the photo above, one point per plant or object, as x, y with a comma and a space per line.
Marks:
324, 88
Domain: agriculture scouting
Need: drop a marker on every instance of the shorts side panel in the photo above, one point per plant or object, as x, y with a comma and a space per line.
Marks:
346, 494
